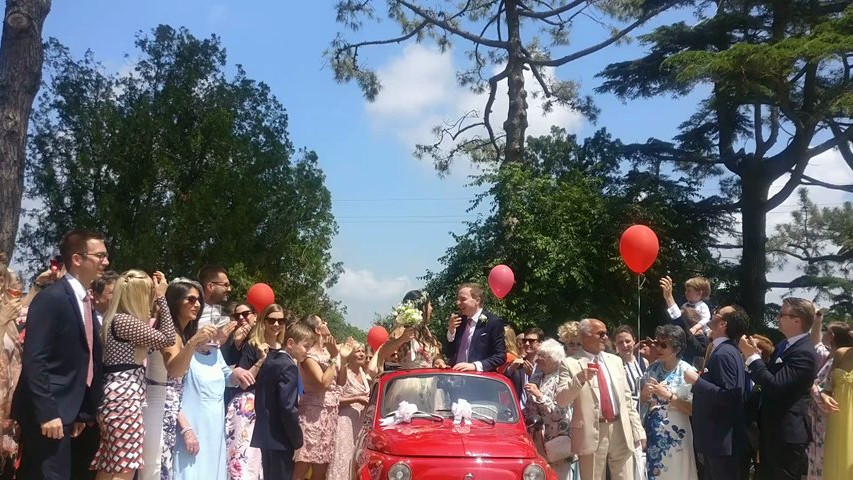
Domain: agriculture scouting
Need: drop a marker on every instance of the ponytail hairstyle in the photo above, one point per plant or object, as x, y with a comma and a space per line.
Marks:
134, 296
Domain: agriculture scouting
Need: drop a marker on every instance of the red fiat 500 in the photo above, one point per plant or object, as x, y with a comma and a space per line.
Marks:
428, 439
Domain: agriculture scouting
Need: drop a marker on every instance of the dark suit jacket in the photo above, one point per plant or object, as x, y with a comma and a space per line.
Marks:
487, 344
785, 386
276, 393
718, 404
696, 344
55, 362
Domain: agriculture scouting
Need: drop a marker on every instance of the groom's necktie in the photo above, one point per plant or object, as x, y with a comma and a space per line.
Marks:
465, 341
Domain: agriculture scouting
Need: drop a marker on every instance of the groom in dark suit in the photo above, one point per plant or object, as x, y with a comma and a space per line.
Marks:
59, 387
719, 435
475, 335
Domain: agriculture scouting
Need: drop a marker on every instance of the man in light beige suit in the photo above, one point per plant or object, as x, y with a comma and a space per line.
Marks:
605, 425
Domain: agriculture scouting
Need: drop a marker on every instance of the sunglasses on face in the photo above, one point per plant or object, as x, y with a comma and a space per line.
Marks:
191, 299
662, 345
602, 334
530, 340
273, 321
243, 315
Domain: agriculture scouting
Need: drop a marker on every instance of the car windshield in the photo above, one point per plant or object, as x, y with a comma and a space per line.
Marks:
436, 393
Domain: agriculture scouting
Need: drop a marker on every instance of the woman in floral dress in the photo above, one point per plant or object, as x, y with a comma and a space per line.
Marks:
318, 408
354, 397
541, 401
666, 406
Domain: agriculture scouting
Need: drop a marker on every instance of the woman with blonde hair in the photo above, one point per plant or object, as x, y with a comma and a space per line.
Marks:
354, 397
512, 353
127, 336
244, 462
569, 335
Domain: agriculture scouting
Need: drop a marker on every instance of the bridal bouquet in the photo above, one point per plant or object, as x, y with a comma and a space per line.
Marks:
407, 315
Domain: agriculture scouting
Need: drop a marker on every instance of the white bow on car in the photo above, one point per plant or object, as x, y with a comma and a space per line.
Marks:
404, 413
462, 412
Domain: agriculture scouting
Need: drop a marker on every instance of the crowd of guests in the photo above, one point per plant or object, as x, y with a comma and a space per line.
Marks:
122, 376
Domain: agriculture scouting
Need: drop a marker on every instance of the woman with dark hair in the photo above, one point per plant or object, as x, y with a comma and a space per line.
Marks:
625, 341
415, 346
163, 377
838, 335
666, 408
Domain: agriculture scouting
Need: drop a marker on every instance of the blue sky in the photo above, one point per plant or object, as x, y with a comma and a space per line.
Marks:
393, 212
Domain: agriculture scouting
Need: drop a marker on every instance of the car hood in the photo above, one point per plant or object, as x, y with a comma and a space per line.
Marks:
425, 438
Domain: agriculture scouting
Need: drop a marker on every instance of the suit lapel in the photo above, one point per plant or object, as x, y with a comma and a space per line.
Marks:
72, 301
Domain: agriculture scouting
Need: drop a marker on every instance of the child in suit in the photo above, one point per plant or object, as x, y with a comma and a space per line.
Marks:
277, 433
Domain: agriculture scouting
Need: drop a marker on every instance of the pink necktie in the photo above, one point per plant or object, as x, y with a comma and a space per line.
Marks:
464, 343
87, 326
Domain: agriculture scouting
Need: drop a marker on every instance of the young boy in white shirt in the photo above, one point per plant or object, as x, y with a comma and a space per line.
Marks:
697, 291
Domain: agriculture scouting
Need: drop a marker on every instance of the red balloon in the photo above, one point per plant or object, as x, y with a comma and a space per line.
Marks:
261, 296
639, 248
376, 337
501, 280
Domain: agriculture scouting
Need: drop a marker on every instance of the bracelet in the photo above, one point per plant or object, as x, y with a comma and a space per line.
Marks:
258, 364
186, 429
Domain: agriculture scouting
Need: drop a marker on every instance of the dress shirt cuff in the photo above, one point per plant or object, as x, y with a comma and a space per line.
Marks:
478, 366
752, 358
674, 312
451, 336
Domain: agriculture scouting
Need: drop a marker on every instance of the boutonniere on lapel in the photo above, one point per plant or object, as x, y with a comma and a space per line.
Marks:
483, 319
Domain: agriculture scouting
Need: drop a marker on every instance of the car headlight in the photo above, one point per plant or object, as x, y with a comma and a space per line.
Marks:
401, 471
533, 472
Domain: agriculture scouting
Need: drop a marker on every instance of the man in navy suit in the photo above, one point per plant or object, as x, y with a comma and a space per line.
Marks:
475, 335
59, 387
719, 435
785, 385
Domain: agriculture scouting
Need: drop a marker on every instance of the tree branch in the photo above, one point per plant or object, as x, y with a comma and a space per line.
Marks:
594, 48
399, 39
444, 25
550, 13
844, 146
839, 139
807, 180
792, 183
493, 89
841, 257
726, 246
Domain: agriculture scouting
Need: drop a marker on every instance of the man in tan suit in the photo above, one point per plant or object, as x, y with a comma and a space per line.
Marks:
605, 425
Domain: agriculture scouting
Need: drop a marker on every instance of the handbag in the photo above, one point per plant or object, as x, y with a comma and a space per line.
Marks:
558, 448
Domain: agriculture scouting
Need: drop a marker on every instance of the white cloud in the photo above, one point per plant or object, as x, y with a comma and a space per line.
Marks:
364, 294
419, 91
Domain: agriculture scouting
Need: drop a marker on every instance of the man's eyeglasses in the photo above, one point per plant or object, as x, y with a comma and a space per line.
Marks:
191, 299
787, 315
222, 284
243, 315
530, 340
602, 334
101, 256
273, 321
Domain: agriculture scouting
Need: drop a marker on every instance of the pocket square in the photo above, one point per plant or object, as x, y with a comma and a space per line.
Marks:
483, 334
705, 371
778, 360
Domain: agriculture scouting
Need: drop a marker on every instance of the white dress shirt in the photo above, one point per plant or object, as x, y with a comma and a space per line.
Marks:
603, 365
210, 315
79, 293
469, 330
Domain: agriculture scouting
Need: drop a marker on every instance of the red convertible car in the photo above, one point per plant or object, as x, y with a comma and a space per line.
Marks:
443, 425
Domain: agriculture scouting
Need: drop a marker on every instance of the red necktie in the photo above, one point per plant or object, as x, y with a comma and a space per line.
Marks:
88, 328
604, 391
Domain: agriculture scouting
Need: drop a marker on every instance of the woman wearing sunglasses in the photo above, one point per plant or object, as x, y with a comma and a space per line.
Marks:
244, 462
666, 406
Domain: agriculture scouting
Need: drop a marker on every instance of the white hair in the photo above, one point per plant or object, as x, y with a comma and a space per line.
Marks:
585, 327
551, 350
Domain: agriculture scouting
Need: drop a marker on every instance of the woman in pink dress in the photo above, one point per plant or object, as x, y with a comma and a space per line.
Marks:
354, 397
318, 408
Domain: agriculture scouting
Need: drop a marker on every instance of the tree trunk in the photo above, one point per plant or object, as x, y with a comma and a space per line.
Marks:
753, 269
516, 120
21, 56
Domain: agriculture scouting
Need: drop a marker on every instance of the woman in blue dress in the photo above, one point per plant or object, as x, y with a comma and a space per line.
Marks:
200, 452
666, 406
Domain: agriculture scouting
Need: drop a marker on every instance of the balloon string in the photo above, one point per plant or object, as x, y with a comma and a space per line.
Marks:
641, 280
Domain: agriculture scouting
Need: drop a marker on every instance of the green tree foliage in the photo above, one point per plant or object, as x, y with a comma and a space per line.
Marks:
180, 165
778, 73
562, 212
819, 241
502, 39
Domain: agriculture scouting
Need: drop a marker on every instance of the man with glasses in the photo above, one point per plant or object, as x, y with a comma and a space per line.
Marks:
523, 370
719, 428
59, 388
605, 424
214, 281
785, 385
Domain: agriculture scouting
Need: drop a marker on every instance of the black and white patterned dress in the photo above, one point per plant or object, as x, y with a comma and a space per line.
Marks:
120, 411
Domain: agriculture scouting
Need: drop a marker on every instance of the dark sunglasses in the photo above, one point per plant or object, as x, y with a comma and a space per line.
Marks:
191, 299
272, 321
530, 340
243, 315
662, 345
602, 334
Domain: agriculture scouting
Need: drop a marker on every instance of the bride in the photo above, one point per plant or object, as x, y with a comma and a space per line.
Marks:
416, 348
